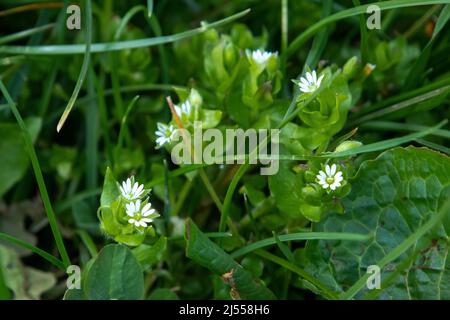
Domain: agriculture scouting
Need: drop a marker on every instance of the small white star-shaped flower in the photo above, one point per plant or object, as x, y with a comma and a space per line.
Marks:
331, 178
184, 111
310, 83
138, 216
131, 192
260, 56
165, 134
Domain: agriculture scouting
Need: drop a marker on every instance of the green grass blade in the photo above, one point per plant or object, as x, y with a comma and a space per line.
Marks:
419, 66
434, 146
84, 67
386, 144
25, 33
307, 34
39, 178
47, 256
400, 249
326, 292
115, 46
123, 123
401, 105
300, 236
398, 126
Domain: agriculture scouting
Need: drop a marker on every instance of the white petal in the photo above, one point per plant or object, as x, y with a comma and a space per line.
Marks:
319, 81
128, 188
325, 185
148, 220
131, 221
333, 169
136, 223
322, 174
338, 174
338, 179
309, 77
146, 207
314, 76
304, 81
328, 170
142, 223
333, 186
138, 205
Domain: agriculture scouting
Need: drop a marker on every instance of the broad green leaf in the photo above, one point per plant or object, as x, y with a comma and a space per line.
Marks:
13, 155
208, 254
115, 275
392, 197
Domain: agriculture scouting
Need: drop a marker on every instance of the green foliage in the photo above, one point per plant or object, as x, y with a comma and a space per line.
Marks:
13, 156
345, 196
210, 255
392, 196
115, 275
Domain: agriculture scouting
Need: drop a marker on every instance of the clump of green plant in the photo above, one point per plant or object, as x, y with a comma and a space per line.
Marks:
359, 115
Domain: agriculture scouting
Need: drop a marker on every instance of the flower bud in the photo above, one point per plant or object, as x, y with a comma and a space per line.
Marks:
350, 67
347, 145
195, 98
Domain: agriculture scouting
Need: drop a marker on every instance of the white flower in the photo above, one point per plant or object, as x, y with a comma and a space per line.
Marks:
260, 56
184, 111
165, 134
138, 216
331, 178
310, 83
131, 192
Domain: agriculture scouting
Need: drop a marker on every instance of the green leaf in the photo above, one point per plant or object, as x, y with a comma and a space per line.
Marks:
115, 275
110, 189
13, 155
148, 255
392, 198
285, 187
208, 254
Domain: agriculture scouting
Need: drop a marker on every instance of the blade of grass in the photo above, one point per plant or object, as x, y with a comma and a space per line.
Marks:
398, 126
39, 178
124, 121
320, 40
30, 7
300, 236
308, 33
25, 33
88, 242
386, 144
364, 42
401, 105
149, 8
327, 293
47, 256
402, 97
115, 46
413, 78
84, 67
91, 148
434, 146
399, 250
